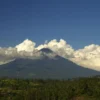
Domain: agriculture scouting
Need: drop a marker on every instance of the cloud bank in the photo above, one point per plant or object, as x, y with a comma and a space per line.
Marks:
88, 57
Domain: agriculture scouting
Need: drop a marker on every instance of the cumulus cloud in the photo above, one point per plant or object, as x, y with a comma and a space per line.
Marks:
60, 47
88, 63
88, 57
7, 55
88, 52
27, 46
26, 49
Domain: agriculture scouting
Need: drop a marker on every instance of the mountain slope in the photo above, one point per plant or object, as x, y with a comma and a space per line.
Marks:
47, 67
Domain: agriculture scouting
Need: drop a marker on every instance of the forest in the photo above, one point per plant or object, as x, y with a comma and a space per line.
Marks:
38, 89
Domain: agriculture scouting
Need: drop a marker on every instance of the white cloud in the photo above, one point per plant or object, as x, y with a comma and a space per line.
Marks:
88, 57
88, 52
88, 63
60, 47
27, 46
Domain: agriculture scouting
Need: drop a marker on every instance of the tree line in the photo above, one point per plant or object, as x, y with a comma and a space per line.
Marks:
38, 89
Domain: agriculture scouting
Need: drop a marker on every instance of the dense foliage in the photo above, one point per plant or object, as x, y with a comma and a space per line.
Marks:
28, 89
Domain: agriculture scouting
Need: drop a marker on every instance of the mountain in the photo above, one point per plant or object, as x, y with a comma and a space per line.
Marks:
46, 50
50, 65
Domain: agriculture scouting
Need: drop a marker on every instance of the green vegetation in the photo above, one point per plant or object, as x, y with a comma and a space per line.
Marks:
29, 89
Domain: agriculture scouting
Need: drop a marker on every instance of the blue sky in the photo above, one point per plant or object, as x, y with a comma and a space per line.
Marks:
76, 21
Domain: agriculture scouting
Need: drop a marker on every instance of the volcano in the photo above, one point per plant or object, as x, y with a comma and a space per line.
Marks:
50, 66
